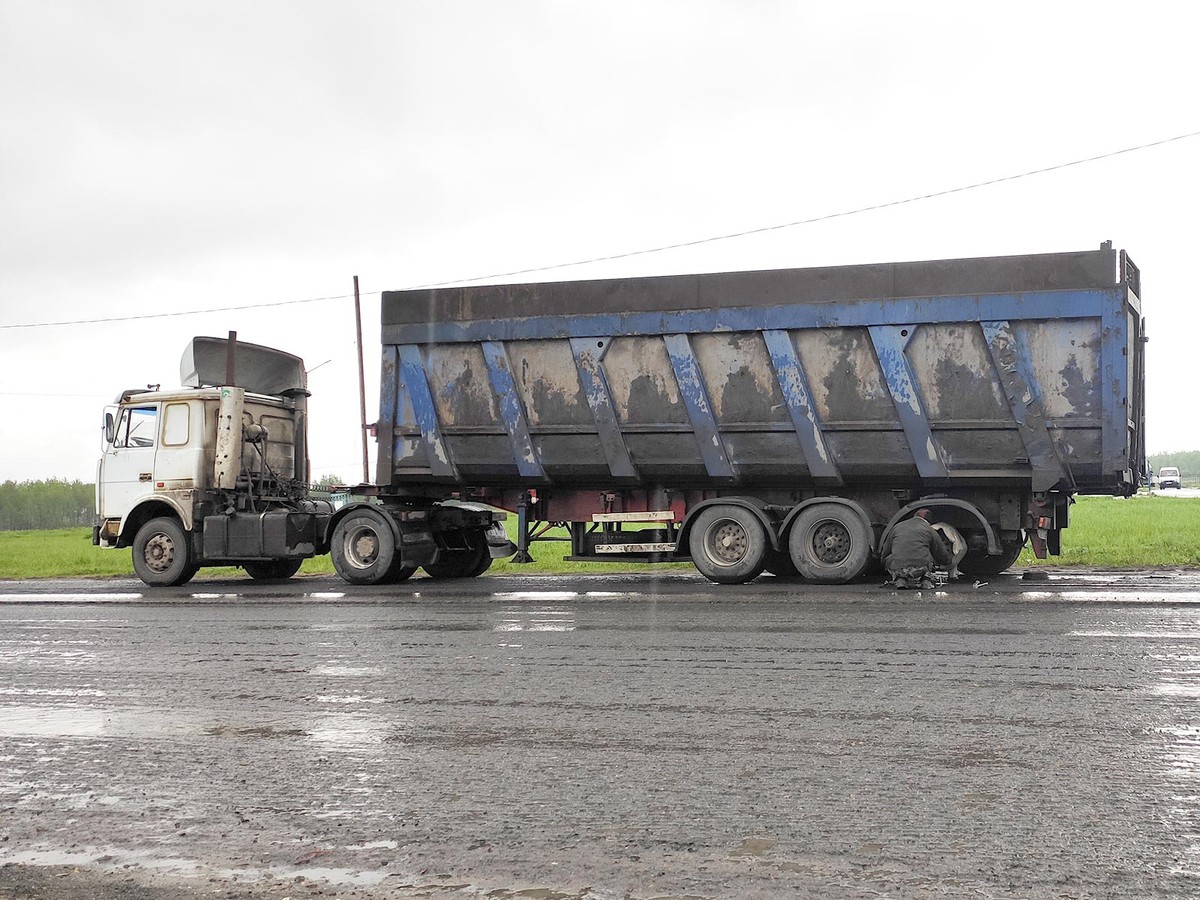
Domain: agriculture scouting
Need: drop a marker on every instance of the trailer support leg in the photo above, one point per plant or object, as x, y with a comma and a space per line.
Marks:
1039, 525
523, 530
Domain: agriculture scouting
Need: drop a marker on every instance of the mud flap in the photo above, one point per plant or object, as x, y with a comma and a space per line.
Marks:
499, 546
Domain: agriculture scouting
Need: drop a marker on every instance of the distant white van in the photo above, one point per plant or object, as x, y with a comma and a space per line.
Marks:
1168, 476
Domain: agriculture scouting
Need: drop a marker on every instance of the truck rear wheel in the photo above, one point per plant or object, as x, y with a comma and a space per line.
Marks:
162, 555
830, 544
728, 545
364, 549
272, 570
977, 562
464, 562
399, 573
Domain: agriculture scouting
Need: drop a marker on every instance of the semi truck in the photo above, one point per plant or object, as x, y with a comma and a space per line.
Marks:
778, 421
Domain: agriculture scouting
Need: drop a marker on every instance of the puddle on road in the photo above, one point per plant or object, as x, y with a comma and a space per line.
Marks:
536, 595
375, 845
112, 859
560, 595
1179, 689
86, 721
74, 721
51, 721
342, 671
1112, 596
52, 692
516, 618
348, 730
69, 598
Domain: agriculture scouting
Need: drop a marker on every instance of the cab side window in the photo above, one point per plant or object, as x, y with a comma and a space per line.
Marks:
137, 427
176, 424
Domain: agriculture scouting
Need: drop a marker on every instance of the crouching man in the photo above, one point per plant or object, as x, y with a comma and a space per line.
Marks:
911, 552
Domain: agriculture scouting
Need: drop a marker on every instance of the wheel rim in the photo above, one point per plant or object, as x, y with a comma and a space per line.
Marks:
361, 547
831, 542
159, 553
726, 542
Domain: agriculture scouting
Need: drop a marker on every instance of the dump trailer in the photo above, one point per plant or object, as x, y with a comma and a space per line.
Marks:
779, 420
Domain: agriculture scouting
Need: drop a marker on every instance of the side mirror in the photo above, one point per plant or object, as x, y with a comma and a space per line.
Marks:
109, 428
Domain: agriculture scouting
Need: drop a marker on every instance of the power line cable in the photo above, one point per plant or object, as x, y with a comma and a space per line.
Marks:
632, 253
168, 315
814, 219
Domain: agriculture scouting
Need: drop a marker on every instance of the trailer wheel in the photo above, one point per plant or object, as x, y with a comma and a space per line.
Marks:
162, 555
274, 570
977, 562
830, 544
364, 549
467, 562
728, 545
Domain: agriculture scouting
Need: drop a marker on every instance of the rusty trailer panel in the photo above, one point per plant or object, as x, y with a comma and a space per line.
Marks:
1003, 371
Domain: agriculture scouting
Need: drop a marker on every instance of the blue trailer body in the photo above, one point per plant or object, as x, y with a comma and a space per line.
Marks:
1001, 378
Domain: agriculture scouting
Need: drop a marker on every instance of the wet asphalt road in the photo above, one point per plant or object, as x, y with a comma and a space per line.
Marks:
603, 737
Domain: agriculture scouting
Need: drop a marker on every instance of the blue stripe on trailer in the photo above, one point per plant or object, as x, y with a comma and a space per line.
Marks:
1114, 432
1077, 304
412, 370
796, 393
588, 352
1015, 369
890, 342
511, 411
698, 406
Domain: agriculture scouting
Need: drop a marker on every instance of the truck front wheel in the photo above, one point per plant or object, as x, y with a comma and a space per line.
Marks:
830, 544
728, 545
161, 554
364, 549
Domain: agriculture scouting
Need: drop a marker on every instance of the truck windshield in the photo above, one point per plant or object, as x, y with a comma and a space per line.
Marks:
136, 427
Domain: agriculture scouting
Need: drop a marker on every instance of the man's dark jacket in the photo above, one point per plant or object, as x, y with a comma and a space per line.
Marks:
913, 543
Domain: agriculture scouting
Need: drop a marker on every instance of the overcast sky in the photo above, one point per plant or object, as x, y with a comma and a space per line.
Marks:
164, 157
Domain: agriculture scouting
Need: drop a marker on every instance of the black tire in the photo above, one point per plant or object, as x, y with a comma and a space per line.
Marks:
977, 562
162, 554
780, 564
399, 574
272, 570
364, 549
728, 545
468, 562
830, 544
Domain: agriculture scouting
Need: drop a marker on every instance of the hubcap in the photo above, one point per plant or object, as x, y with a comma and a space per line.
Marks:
362, 547
727, 542
160, 552
831, 543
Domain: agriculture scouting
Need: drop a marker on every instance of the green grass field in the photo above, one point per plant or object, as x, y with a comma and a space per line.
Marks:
1105, 532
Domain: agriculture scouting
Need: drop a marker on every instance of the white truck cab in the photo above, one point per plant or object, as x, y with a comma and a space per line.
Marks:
160, 450
216, 473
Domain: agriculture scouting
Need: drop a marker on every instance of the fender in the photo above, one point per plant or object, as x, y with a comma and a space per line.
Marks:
151, 508
753, 504
327, 538
993, 542
854, 505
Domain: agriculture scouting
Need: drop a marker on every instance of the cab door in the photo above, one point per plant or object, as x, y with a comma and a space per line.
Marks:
127, 466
